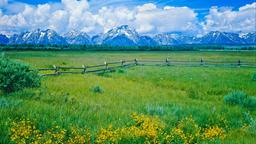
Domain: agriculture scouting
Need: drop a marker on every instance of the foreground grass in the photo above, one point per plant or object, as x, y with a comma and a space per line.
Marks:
169, 93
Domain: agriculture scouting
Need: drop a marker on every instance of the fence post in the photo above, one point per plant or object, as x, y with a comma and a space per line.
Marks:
56, 69
84, 71
167, 62
239, 63
135, 61
122, 63
201, 62
106, 65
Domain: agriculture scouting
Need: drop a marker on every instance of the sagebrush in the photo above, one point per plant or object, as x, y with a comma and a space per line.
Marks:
15, 76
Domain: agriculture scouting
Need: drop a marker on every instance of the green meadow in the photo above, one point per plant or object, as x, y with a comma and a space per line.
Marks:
170, 93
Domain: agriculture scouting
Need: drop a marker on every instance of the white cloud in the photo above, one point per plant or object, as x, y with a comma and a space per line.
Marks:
152, 19
75, 14
59, 20
70, 14
244, 19
147, 7
146, 19
108, 18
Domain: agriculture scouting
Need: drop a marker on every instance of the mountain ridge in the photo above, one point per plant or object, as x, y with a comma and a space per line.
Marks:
125, 36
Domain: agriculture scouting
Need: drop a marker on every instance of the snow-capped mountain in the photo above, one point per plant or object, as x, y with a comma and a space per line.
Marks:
126, 36
98, 39
165, 39
250, 38
78, 38
175, 39
147, 41
37, 37
217, 37
4, 39
121, 36
184, 39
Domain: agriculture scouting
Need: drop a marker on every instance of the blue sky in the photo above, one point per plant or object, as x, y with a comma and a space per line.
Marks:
189, 3
146, 16
197, 4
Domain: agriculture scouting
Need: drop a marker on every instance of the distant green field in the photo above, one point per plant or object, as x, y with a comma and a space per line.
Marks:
170, 93
78, 58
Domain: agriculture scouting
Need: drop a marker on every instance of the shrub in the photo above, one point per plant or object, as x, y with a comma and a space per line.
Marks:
235, 98
250, 103
4, 103
97, 89
15, 76
241, 98
254, 77
104, 74
9, 103
251, 123
121, 71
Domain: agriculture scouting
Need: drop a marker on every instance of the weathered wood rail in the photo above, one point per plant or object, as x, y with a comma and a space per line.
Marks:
111, 66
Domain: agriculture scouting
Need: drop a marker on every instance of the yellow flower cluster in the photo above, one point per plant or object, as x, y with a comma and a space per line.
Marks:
79, 136
54, 135
187, 131
145, 128
214, 132
24, 131
108, 135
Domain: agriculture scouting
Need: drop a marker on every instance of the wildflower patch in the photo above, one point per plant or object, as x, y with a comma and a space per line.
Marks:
142, 129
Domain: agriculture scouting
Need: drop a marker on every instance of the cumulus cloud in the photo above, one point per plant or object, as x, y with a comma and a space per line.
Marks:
70, 14
74, 14
244, 19
152, 19
146, 19
108, 18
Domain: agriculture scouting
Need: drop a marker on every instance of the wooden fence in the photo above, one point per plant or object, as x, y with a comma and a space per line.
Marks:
111, 66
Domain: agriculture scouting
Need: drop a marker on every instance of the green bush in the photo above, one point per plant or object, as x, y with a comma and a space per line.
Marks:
4, 102
251, 123
97, 89
121, 71
235, 98
250, 103
104, 74
240, 98
15, 76
254, 77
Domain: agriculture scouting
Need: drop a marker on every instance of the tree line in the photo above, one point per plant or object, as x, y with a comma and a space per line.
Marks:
126, 48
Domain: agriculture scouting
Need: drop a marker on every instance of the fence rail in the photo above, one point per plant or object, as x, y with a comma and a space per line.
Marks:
111, 66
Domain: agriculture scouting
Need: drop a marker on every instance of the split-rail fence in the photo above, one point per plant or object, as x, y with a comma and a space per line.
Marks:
112, 66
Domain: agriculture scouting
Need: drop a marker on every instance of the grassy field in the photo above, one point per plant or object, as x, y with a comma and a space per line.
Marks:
169, 93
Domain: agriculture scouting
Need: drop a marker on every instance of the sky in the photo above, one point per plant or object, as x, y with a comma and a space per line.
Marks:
146, 16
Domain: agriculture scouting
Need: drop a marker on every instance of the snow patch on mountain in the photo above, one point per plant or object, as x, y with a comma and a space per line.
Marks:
126, 36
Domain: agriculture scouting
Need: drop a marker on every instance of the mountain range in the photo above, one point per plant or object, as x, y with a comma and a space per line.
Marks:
125, 36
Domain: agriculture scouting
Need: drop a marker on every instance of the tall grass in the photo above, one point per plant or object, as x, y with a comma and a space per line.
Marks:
170, 93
